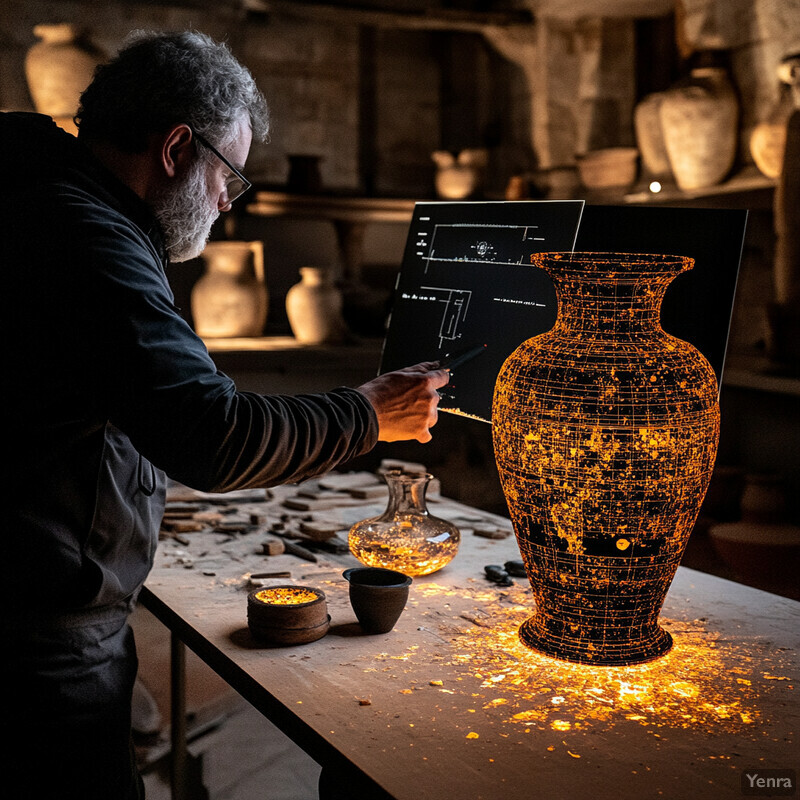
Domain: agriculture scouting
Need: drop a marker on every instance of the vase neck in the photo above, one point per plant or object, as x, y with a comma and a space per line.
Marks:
315, 276
59, 33
407, 492
610, 295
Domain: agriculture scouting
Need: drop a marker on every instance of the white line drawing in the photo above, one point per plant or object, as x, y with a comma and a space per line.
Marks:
456, 304
493, 243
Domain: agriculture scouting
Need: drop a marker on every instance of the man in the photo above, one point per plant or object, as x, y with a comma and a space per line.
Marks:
107, 389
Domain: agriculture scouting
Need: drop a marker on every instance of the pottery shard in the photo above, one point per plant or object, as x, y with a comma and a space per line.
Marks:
369, 492
321, 503
182, 526
345, 482
406, 466
490, 531
320, 531
273, 547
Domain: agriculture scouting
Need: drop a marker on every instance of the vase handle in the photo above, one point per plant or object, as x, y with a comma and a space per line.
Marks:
257, 248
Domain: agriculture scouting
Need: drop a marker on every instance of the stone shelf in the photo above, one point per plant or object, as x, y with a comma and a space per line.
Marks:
753, 189
759, 374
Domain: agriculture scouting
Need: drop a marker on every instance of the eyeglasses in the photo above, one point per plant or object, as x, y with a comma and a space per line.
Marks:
235, 184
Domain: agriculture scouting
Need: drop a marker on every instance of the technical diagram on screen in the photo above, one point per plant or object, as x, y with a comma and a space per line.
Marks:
467, 292
466, 281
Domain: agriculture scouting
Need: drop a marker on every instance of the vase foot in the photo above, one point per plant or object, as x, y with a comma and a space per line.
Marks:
585, 651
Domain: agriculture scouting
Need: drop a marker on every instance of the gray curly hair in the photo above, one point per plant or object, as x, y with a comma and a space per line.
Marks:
161, 79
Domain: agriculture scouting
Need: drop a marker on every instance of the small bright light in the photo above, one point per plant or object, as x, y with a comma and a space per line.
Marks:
655, 187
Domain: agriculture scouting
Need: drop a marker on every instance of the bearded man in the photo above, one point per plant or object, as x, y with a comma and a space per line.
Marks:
108, 391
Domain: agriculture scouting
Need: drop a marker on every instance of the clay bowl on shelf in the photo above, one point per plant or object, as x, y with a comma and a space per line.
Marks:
286, 615
608, 168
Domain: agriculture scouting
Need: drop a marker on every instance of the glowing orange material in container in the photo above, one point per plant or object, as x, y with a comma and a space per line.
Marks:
605, 433
286, 595
287, 614
406, 537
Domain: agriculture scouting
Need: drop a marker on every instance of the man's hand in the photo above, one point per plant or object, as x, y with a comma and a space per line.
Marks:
406, 400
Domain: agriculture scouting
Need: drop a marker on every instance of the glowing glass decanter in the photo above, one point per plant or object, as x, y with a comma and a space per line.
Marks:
406, 537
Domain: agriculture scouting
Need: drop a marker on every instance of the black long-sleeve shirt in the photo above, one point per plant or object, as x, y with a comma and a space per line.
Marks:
107, 387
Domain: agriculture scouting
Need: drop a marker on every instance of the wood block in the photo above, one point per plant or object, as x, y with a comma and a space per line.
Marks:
345, 481
319, 504
182, 525
273, 547
491, 531
370, 492
320, 530
407, 466
209, 517
321, 494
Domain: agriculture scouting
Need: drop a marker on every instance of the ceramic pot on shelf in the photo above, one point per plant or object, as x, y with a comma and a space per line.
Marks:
608, 169
58, 68
314, 308
459, 176
650, 136
699, 119
605, 432
231, 298
768, 138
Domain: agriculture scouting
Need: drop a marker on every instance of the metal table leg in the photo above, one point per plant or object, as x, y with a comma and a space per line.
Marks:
178, 761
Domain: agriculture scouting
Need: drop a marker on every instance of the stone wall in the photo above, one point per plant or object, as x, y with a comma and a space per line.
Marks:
369, 101
308, 71
757, 33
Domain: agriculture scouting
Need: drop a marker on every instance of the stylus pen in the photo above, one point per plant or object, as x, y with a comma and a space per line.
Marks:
461, 357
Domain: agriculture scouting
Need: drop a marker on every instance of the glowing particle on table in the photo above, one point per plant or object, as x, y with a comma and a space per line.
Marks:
472, 735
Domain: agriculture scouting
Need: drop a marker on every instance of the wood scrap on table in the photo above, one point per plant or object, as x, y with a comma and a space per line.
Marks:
273, 546
177, 493
347, 481
306, 520
489, 531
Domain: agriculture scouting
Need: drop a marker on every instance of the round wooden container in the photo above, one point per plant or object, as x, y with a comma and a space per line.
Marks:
285, 615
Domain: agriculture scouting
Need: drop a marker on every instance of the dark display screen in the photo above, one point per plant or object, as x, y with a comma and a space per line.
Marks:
467, 285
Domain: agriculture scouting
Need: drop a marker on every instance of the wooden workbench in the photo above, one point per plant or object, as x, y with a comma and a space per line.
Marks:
451, 705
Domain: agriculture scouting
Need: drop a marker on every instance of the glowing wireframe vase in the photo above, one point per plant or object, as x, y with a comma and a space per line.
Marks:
406, 537
605, 433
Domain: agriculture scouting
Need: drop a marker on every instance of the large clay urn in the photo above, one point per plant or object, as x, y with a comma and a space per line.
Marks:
650, 136
231, 298
605, 433
58, 68
699, 120
768, 138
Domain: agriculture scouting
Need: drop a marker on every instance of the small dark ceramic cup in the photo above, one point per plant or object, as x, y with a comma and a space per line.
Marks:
378, 596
